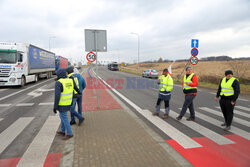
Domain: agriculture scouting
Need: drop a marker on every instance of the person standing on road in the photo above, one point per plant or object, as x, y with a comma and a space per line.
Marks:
82, 85
64, 88
76, 95
189, 86
165, 87
228, 91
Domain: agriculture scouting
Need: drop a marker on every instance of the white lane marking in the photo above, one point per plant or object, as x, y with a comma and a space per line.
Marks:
9, 134
235, 119
3, 90
243, 99
24, 104
219, 139
37, 152
24, 90
5, 105
182, 139
178, 85
239, 113
46, 104
212, 93
243, 108
1, 119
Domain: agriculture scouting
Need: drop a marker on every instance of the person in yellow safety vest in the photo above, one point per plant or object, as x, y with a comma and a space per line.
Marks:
165, 87
228, 91
76, 96
63, 99
189, 86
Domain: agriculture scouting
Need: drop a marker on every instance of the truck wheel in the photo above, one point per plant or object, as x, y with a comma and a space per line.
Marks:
36, 78
23, 81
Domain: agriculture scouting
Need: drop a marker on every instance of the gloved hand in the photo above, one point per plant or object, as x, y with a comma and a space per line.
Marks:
54, 110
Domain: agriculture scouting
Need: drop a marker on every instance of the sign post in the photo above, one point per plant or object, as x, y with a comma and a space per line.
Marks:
194, 52
96, 40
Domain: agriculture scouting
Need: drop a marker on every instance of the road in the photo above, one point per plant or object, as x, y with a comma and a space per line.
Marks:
26, 117
205, 135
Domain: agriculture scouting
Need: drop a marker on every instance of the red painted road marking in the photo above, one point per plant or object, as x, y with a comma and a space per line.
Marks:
52, 160
106, 101
212, 154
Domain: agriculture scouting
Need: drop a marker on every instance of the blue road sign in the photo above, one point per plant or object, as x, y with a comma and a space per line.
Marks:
194, 52
194, 43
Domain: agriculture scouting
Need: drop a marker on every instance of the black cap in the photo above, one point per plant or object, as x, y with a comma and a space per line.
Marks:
165, 70
70, 69
228, 72
187, 68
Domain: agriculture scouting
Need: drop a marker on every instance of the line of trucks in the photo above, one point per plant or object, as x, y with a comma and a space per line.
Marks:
23, 63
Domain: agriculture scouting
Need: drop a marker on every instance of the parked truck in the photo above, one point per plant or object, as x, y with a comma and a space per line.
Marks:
23, 63
61, 62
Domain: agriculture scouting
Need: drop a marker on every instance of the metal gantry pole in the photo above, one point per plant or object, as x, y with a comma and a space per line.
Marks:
138, 53
97, 93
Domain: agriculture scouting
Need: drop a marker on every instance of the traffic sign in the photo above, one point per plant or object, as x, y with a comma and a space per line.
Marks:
194, 52
194, 43
91, 57
194, 60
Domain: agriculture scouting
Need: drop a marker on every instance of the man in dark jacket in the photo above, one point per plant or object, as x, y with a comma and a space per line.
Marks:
76, 97
229, 90
63, 99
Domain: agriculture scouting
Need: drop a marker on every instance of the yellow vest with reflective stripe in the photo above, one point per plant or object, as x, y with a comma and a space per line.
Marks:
188, 80
76, 81
67, 94
166, 83
226, 87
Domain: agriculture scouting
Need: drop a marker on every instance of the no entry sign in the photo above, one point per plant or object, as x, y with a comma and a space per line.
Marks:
194, 60
194, 52
91, 57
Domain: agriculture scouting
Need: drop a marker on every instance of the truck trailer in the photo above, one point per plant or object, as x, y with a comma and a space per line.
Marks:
61, 62
22, 63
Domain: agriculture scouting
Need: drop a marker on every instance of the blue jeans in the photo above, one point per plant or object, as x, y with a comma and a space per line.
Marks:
65, 123
188, 103
79, 104
73, 112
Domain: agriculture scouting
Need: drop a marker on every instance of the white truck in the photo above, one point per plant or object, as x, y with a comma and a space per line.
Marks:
23, 63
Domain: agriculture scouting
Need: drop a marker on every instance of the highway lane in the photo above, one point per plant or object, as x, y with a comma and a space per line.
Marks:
26, 116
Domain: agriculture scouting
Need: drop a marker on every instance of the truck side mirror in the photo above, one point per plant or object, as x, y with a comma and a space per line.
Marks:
20, 58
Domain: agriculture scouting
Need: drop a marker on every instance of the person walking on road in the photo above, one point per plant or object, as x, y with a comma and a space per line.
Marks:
189, 86
165, 87
82, 85
76, 95
228, 91
64, 88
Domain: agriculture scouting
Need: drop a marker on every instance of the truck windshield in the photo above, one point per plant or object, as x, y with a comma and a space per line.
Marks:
7, 57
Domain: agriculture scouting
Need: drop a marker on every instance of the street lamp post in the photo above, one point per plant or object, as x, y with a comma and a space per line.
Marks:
50, 39
138, 61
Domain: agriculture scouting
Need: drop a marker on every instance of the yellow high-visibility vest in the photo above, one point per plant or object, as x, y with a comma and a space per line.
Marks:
166, 83
188, 80
226, 87
76, 81
67, 94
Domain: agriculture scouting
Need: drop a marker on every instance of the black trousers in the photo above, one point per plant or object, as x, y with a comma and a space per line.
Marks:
165, 101
227, 109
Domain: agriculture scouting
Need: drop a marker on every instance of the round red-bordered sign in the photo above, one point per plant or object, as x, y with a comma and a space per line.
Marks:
194, 52
194, 60
91, 56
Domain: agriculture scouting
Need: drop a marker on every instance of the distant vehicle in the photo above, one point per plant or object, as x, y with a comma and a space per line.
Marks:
23, 63
61, 62
150, 73
113, 66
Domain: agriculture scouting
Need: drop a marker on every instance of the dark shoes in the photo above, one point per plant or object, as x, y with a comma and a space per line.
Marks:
224, 124
190, 119
60, 133
165, 116
155, 114
227, 128
80, 121
72, 122
67, 137
179, 117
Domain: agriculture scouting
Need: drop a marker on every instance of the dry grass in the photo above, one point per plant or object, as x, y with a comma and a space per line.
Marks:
210, 72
